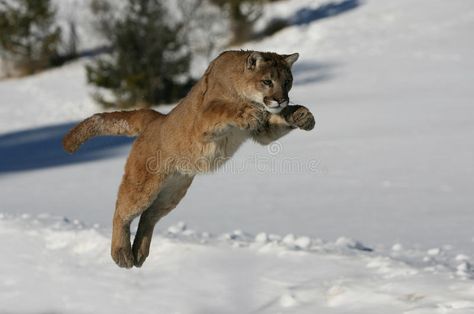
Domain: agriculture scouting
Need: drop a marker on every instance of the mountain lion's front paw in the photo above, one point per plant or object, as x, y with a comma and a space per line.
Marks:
302, 118
252, 118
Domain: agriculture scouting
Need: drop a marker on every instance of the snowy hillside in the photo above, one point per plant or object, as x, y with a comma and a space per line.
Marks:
390, 163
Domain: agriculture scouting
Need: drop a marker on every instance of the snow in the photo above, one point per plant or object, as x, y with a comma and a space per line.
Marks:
370, 211
56, 96
66, 267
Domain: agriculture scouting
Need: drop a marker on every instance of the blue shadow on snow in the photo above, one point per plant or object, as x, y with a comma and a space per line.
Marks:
41, 148
308, 15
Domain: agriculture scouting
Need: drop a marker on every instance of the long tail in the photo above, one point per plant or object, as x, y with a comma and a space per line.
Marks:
127, 123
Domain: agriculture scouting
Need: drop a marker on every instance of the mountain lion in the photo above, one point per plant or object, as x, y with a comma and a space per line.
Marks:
242, 94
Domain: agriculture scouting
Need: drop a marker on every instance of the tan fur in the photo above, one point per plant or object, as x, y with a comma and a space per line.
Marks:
128, 123
228, 105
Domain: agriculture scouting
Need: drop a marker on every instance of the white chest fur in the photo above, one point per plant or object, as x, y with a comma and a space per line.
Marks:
219, 151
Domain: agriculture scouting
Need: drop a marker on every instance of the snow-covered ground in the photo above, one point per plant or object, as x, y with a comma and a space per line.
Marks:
390, 163
58, 266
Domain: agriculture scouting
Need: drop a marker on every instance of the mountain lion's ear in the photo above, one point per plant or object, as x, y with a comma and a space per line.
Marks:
254, 60
290, 59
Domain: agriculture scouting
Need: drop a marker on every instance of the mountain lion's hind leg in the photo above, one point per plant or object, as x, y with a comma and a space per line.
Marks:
171, 193
134, 197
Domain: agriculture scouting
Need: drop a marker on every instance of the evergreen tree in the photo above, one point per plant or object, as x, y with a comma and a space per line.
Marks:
28, 37
242, 15
148, 56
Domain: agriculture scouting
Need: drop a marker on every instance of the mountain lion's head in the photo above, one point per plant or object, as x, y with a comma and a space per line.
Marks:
261, 78
270, 79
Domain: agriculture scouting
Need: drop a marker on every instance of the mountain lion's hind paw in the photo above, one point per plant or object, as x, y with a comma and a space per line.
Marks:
123, 257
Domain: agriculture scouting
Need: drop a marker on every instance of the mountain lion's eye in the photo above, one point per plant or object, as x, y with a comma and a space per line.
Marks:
267, 82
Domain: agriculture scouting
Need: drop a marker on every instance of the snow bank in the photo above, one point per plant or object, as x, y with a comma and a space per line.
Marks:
58, 265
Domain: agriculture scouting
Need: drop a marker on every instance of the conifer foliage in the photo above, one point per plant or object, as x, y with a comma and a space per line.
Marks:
29, 38
149, 61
